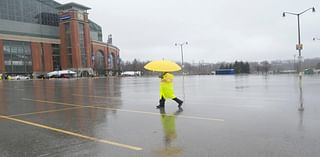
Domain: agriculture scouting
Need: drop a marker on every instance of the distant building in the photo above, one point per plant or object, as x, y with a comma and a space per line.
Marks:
38, 36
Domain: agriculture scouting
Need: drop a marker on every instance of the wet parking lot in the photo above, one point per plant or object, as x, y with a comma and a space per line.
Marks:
232, 116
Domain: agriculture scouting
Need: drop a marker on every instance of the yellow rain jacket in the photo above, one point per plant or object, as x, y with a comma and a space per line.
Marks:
166, 86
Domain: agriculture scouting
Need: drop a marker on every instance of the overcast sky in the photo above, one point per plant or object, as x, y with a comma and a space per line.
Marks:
217, 30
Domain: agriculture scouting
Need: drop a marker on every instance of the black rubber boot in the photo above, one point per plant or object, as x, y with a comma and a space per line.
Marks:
178, 101
161, 103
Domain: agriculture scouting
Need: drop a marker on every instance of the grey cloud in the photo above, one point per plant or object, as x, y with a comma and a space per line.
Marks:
219, 30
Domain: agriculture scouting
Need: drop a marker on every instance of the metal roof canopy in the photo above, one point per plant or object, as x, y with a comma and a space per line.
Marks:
73, 5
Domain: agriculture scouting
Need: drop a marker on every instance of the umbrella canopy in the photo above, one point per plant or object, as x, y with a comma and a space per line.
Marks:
162, 66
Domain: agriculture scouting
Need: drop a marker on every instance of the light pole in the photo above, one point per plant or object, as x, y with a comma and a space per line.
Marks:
181, 49
299, 46
294, 62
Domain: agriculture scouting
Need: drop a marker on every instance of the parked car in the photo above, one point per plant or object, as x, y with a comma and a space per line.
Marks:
83, 72
131, 73
20, 77
61, 74
42, 76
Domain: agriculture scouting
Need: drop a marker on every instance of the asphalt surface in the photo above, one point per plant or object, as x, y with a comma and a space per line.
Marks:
223, 116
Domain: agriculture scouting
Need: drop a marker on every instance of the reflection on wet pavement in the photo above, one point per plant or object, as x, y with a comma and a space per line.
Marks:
168, 122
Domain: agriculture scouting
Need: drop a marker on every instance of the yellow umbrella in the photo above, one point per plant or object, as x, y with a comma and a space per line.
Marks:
162, 66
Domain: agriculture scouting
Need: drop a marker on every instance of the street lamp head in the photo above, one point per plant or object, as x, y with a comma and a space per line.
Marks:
313, 9
186, 43
283, 14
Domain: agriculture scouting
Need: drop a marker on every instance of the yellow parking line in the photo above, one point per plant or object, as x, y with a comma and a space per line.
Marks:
72, 133
41, 112
52, 102
123, 110
93, 96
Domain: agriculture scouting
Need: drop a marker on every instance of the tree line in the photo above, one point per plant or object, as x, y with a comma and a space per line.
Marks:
202, 68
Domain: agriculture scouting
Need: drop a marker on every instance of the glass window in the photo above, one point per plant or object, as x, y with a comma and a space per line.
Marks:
99, 63
82, 45
110, 61
67, 34
17, 56
31, 11
68, 44
69, 51
56, 57
96, 31
56, 62
56, 49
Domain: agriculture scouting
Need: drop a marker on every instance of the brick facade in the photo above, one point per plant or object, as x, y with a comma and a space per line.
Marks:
48, 65
42, 51
36, 57
100, 48
37, 60
75, 42
39, 64
106, 50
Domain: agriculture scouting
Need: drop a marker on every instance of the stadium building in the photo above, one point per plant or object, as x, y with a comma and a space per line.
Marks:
39, 36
